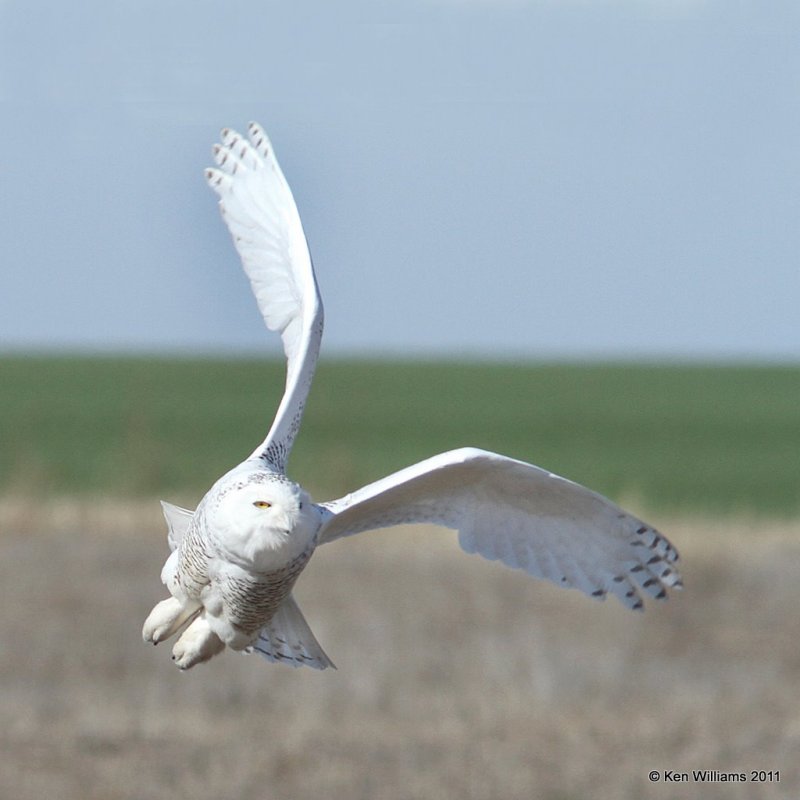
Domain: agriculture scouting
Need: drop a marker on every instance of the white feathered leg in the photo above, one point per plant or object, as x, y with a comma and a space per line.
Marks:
166, 619
197, 644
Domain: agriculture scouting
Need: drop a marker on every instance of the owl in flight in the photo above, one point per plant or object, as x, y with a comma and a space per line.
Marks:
235, 559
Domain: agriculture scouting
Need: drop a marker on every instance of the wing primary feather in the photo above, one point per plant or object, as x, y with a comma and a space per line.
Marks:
226, 159
218, 181
259, 139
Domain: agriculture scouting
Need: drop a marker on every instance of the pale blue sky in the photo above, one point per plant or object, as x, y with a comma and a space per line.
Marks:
504, 179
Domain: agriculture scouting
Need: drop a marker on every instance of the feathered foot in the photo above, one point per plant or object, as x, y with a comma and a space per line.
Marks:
167, 618
197, 644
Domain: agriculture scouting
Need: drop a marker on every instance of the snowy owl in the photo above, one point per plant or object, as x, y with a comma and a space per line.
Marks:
235, 559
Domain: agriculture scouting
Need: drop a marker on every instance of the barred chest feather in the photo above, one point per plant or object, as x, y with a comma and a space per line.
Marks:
250, 602
193, 559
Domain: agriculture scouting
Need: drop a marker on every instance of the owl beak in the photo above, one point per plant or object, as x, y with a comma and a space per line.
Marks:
286, 526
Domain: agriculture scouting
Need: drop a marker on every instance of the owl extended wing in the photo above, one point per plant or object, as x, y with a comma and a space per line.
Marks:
522, 515
259, 210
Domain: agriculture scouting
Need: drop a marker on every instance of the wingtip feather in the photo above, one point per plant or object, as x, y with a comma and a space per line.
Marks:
259, 139
218, 180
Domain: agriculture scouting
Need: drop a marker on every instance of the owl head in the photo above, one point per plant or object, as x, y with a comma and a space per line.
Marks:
263, 521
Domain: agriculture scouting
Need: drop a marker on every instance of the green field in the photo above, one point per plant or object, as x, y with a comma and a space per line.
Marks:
708, 439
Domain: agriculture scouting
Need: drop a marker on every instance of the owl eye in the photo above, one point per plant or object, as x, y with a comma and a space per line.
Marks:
262, 504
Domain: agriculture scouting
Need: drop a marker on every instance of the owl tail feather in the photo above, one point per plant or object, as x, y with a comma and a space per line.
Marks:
287, 639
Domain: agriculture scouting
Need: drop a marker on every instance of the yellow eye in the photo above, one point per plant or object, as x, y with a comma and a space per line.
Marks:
262, 504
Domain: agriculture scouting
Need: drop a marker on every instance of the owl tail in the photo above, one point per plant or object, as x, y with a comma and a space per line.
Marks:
287, 639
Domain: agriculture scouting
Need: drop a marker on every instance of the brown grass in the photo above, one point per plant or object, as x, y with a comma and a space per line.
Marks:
457, 678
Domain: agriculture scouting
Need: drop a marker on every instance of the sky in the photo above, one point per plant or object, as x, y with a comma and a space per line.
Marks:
510, 179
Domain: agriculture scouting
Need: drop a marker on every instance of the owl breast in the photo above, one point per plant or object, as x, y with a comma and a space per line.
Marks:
250, 601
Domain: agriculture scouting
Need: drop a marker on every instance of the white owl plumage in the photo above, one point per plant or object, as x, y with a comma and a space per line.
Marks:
235, 559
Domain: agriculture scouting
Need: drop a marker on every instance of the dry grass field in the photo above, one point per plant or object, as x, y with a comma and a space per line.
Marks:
456, 678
